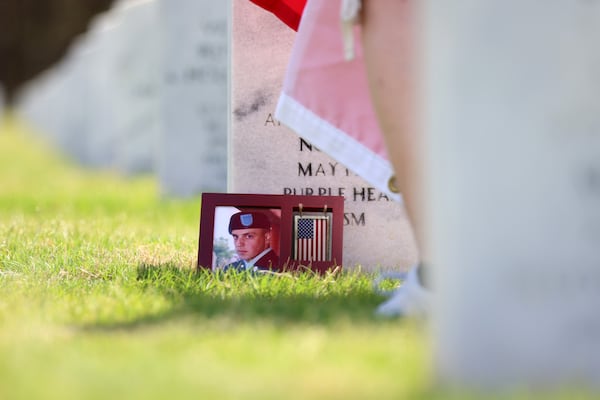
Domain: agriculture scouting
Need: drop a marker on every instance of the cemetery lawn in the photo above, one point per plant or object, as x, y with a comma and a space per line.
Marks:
99, 299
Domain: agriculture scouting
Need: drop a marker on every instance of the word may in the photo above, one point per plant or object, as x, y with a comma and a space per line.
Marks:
321, 169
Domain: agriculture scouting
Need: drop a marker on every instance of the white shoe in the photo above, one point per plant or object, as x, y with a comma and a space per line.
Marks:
410, 299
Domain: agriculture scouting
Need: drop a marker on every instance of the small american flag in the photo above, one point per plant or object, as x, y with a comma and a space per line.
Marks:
312, 238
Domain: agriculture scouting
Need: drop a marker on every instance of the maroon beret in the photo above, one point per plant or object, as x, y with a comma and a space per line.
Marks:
249, 220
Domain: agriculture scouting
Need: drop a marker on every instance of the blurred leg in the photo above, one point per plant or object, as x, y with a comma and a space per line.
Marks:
388, 41
389, 50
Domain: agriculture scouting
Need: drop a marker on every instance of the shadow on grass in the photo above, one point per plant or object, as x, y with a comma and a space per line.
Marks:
243, 297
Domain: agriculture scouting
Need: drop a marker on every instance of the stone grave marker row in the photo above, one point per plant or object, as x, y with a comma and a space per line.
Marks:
144, 90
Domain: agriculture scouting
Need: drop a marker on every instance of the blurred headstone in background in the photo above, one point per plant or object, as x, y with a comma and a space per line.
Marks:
43, 104
268, 157
193, 144
55, 102
102, 97
136, 86
74, 101
513, 109
143, 90
100, 103
36, 34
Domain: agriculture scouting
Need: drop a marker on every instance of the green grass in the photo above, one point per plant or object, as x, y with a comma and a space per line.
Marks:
99, 299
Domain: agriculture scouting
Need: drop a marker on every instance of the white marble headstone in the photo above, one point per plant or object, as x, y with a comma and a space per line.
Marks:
513, 115
193, 143
73, 102
267, 157
101, 132
47, 104
100, 103
137, 84
77, 97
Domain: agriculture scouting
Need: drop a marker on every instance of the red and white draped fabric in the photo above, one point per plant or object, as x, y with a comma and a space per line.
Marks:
289, 11
326, 99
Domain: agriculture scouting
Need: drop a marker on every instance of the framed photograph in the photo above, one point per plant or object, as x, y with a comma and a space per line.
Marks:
270, 232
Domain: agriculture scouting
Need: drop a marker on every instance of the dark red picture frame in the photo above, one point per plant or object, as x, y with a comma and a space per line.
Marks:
290, 206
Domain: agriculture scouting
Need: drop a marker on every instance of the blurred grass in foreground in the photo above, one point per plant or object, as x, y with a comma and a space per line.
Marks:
99, 299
